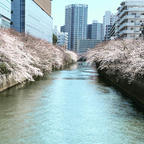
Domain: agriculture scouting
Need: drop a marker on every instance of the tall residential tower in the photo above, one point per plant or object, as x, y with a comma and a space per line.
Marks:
76, 24
108, 21
130, 18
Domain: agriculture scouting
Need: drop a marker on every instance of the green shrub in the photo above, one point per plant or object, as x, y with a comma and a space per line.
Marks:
54, 39
4, 69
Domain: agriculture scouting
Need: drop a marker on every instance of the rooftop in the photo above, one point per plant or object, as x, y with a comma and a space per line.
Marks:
76, 5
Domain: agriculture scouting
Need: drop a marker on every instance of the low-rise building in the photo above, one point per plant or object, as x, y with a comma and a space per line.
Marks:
62, 28
55, 30
5, 13
62, 39
85, 45
130, 17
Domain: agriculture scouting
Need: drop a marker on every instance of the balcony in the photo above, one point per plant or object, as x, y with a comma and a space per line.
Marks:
126, 17
135, 4
126, 25
129, 32
138, 9
123, 12
142, 16
126, 32
121, 8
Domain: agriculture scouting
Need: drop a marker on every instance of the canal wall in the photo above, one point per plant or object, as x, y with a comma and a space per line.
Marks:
133, 89
121, 62
24, 58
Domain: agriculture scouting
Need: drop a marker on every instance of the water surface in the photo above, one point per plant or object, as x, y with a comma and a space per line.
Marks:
69, 107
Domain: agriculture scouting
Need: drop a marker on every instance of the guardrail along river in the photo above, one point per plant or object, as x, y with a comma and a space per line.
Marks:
69, 107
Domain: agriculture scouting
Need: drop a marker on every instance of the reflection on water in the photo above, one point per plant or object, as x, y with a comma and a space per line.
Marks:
69, 107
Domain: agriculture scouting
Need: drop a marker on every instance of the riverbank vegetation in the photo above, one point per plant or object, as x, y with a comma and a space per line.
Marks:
23, 57
123, 58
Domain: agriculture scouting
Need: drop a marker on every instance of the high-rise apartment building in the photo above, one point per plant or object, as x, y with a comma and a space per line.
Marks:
5, 13
76, 24
33, 17
130, 17
108, 21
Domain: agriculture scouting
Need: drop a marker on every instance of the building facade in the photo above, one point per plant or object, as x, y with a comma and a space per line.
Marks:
5, 13
32, 17
76, 24
62, 29
62, 39
89, 31
113, 32
108, 21
108, 32
85, 45
97, 31
130, 17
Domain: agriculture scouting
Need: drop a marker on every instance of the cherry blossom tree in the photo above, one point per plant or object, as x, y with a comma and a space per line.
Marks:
22, 56
122, 57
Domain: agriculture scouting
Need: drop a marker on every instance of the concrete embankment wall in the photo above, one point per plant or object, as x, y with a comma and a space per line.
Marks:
122, 63
7, 82
133, 89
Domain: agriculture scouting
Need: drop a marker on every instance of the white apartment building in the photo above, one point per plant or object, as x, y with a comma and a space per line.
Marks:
62, 39
130, 17
108, 21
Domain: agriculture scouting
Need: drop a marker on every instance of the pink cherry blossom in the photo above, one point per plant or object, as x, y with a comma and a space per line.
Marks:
23, 56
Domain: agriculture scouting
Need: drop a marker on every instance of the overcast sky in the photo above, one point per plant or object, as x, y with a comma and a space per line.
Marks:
96, 9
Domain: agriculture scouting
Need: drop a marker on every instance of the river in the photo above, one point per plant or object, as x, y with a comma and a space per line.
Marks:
71, 106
